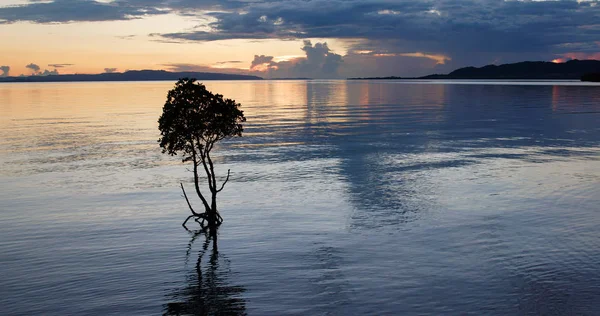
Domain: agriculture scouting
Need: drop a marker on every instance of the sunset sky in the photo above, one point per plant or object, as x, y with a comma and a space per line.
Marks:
291, 38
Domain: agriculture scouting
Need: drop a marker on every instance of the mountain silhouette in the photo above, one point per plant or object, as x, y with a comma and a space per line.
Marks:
571, 70
132, 75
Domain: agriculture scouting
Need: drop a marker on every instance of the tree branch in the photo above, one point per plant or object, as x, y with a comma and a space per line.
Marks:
227, 179
188, 201
197, 186
212, 171
209, 176
212, 144
186, 220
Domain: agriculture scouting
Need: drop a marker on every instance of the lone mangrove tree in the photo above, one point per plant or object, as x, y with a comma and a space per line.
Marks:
192, 122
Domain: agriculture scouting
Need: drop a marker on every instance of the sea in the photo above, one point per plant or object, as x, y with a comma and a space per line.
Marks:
345, 198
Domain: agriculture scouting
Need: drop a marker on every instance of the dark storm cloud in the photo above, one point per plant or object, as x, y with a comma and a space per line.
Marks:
63, 11
453, 26
459, 28
192, 6
66, 11
5, 71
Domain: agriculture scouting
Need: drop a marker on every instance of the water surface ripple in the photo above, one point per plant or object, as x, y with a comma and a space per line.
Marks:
346, 197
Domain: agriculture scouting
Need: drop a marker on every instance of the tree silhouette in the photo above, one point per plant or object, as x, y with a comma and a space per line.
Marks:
192, 122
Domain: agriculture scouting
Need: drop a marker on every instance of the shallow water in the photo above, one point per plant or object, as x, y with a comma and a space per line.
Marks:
358, 197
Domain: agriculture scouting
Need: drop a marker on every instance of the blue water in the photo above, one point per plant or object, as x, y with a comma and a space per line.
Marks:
346, 197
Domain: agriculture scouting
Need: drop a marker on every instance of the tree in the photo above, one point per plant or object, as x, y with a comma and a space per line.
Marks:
192, 122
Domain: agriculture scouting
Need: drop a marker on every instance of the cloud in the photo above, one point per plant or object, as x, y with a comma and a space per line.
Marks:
261, 63
35, 68
438, 58
229, 62
387, 64
319, 58
427, 21
48, 73
450, 27
66, 11
109, 70
183, 67
452, 33
69, 11
319, 62
5, 71
455, 33
60, 65
569, 56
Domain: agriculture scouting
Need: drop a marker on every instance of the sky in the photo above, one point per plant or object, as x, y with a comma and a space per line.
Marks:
291, 38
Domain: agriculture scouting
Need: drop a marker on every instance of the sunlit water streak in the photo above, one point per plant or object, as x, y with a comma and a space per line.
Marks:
354, 197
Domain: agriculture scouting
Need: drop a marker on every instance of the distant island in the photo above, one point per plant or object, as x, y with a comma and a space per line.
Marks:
132, 75
527, 70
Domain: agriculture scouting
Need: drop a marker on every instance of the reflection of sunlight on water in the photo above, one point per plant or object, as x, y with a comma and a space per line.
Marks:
57, 127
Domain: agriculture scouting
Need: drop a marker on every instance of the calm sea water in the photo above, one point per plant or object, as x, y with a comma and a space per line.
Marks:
358, 197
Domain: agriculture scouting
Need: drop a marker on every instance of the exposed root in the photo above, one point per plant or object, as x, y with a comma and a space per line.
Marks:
201, 218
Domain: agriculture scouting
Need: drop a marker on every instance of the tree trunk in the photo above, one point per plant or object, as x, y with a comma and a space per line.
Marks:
214, 222
211, 215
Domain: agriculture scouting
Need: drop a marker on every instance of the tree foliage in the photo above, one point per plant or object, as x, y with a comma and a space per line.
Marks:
192, 122
195, 119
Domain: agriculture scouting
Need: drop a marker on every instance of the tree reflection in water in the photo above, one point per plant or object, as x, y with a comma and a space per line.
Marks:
207, 291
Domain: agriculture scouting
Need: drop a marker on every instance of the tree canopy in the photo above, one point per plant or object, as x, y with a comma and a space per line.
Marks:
193, 121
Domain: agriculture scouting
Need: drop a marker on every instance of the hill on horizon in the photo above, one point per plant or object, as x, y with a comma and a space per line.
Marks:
572, 69
132, 75
526, 70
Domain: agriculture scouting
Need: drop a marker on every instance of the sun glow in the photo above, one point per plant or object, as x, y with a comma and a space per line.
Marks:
279, 59
576, 55
438, 58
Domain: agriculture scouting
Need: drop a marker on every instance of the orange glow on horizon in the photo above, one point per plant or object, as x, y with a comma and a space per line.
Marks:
438, 58
581, 56
91, 47
279, 59
263, 67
